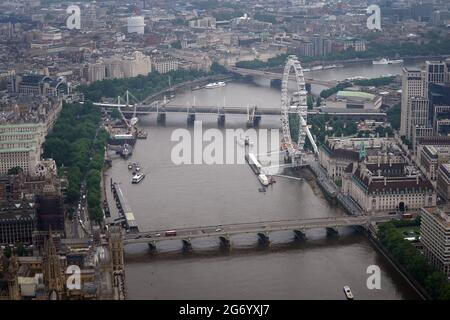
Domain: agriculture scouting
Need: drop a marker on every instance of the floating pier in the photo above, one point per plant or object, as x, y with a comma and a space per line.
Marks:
125, 212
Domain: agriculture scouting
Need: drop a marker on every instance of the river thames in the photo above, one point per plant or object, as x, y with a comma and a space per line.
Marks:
212, 195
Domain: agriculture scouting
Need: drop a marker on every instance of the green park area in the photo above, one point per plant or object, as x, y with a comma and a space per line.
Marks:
77, 144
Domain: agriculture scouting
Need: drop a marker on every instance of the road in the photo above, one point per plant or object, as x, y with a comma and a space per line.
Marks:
253, 227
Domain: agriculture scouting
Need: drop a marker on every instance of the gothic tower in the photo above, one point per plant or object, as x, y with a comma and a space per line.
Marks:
53, 275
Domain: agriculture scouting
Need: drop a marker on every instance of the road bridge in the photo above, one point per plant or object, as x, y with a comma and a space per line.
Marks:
273, 75
262, 229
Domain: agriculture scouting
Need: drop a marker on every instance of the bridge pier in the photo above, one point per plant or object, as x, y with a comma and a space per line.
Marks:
332, 232
190, 119
256, 121
161, 118
221, 120
225, 242
264, 239
187, 245
299, 235
287, 158
152, 246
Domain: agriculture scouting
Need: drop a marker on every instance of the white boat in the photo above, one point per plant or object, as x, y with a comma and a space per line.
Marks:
387, 61
348, 293
138, 178
317, 68
332, 66
214, 85
356, 78
263, 179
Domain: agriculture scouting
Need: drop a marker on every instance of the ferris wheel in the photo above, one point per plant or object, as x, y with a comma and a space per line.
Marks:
295, 103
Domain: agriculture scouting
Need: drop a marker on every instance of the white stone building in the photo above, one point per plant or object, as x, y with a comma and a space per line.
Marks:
387, 187
165, 64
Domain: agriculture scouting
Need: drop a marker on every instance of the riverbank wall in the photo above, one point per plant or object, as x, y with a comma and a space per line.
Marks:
406, 275
185, 85
371, 235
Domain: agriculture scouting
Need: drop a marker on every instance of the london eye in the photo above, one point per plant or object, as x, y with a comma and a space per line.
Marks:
294, 103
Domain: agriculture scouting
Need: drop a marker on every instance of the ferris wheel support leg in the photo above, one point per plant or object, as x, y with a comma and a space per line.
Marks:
311, 139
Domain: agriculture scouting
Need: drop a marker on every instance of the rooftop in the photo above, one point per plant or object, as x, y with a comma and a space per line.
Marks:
441, 214
355, 94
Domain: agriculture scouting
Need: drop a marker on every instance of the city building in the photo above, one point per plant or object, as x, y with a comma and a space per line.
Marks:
203, 23
44, 276
435, 235
17, 223
337, 153
443, 182
352, 101
51, 34
415, 104
23, 128
38, 85
136, 24
431, 158
118, 67
164, 64
388, 187
136, 64
356, 44
435, 71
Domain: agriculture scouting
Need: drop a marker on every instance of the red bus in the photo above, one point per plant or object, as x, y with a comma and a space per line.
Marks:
171, 233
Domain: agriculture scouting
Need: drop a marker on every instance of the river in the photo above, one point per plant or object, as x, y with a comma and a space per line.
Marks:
212, 195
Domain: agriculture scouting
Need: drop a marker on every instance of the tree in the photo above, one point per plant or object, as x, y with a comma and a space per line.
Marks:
434, 283
20, 249
115, 114
393, 116
310, 102
176, 44
70, 212
15, 171
294, 122
7, 252
319, 101
217, 68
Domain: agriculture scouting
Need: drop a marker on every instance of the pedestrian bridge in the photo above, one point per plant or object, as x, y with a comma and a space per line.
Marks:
262, 229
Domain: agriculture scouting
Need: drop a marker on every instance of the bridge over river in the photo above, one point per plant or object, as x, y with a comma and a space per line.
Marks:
262, 229
273, 75
252, 113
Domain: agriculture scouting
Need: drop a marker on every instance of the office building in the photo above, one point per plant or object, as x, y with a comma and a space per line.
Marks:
435, 237
415, 104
